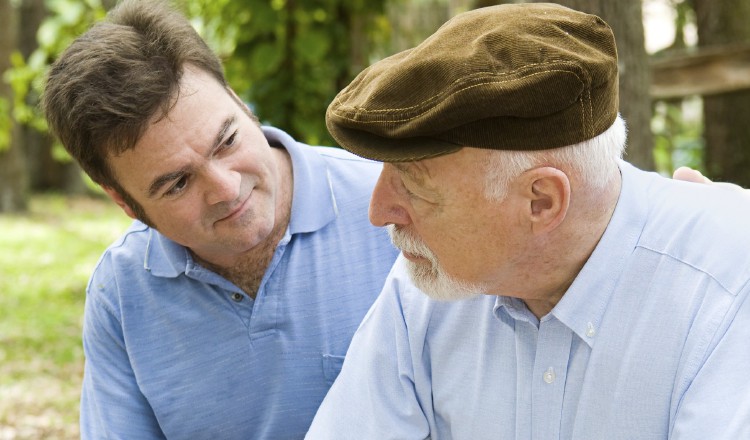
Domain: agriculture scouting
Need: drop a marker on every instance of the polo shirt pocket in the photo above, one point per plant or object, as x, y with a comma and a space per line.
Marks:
332, 367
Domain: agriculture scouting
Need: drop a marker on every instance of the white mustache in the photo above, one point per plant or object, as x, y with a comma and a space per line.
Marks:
407, 243
430, 278
410, 244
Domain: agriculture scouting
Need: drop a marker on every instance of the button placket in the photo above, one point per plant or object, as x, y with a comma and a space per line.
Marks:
549, 375
548, 386
242, 305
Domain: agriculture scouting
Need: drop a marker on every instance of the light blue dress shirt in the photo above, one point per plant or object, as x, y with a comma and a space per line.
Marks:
174, 350
651, 341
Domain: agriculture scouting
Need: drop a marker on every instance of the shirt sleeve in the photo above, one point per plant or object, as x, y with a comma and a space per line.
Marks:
112, 405
717, 402
374, 396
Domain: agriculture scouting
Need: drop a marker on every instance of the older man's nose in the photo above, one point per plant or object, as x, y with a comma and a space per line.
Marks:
386, 204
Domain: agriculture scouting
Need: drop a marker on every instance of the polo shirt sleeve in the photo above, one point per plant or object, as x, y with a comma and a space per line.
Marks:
112, 405
717, 402
374, 396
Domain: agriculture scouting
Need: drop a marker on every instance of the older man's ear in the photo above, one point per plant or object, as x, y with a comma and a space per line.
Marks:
690, 175
548, 192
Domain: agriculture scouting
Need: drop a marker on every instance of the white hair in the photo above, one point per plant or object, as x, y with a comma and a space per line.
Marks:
593, 161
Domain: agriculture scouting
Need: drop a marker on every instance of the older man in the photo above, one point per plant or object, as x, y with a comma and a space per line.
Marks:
592, 300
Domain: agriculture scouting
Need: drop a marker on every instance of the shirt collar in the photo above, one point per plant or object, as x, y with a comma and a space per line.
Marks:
583, 305
313, 207
313, 202
515, 308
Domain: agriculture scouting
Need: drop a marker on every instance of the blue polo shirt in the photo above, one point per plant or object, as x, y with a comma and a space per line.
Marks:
174, 350
651, 341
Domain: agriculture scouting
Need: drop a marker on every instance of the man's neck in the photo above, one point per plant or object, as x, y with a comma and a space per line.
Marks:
247, 271
590, 214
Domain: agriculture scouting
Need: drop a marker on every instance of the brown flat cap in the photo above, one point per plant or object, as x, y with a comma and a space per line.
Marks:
509, 77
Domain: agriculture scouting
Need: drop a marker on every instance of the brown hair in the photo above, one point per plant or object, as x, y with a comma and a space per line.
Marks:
104, 90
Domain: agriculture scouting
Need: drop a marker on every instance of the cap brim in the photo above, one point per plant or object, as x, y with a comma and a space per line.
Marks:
382, 149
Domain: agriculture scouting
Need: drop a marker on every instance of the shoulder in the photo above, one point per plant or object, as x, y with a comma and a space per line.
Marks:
351, 178
128, 247
348, 166
339, 154
124, 255
336, 159
341, 169
702, 226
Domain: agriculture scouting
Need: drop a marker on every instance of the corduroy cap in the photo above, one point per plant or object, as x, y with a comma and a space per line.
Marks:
509, 77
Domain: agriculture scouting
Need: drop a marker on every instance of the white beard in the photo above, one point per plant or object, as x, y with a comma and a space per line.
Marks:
430, 278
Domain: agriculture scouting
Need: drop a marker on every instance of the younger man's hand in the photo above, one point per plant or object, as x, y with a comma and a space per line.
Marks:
691, 175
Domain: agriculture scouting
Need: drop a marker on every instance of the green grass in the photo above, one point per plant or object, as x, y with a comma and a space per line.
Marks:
46, 258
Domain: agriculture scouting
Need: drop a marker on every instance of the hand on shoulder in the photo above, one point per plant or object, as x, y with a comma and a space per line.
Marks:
690, 175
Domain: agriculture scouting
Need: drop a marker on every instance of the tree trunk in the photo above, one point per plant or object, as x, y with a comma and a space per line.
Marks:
13, 184
726, 116
412, 22
44, 171
626, 19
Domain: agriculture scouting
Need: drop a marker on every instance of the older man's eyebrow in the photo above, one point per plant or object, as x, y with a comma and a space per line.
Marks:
404, 168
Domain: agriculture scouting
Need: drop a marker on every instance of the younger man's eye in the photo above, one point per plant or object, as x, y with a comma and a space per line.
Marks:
230, 140
178, 186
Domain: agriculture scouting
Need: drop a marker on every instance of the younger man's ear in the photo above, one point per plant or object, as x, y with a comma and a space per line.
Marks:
115, 195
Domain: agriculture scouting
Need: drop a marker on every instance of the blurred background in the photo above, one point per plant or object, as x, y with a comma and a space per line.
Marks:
685, 93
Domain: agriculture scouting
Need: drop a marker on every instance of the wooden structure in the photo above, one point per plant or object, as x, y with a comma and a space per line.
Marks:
706, 71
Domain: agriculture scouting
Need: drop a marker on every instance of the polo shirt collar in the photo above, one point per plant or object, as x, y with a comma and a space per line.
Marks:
164, 257
313, 207
313, 202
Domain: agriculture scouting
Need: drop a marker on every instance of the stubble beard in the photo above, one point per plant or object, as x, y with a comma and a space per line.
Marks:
430, 277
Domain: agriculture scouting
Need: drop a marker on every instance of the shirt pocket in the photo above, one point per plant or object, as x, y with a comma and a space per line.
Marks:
332, 367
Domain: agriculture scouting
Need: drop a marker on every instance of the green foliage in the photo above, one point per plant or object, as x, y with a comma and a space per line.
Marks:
5, 124
21, 77
66, 20
286, 58
678, 140
46, 260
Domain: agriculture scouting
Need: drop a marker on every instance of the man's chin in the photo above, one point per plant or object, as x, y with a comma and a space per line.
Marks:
436, 284
415, 258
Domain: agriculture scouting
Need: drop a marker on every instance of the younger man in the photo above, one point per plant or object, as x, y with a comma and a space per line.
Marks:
226, 309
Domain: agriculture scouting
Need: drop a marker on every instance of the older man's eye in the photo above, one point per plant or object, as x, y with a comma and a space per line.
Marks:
409, 193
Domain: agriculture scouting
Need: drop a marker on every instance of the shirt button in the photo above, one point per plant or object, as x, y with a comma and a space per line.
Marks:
590, 330
549, 375
237, 297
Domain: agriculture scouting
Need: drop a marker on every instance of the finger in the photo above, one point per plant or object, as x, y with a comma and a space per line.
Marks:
689, 175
